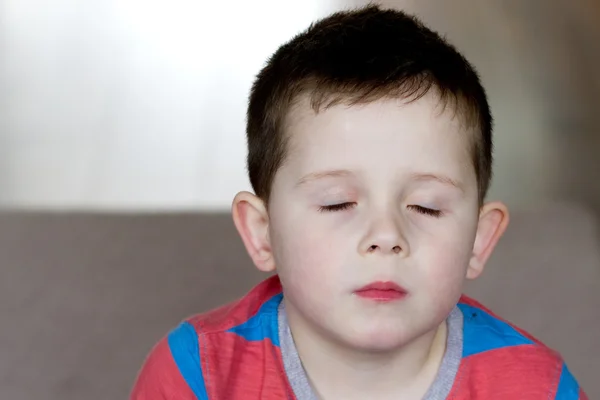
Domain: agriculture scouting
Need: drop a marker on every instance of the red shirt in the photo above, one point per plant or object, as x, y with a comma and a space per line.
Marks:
234, 353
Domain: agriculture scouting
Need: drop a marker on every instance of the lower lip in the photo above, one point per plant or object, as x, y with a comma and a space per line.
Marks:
381, 295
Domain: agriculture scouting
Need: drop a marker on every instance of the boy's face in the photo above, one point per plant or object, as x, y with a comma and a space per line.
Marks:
381, 192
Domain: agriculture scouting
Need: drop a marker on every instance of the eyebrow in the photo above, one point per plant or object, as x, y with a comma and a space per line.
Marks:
338, 173
342, 173
446, 180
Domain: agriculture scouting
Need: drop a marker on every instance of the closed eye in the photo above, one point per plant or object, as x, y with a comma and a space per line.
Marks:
426, 211
336, 207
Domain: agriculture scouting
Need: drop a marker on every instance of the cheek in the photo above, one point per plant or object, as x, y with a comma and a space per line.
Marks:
447, 269
304, 257
447, 261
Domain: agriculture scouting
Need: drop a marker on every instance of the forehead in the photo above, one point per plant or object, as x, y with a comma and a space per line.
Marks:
385, 135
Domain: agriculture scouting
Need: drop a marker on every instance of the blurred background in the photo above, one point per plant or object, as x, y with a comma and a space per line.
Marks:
131, 104
122, 145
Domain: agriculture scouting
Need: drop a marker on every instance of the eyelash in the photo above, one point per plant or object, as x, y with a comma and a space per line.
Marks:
336, 207
345, 206
426, 211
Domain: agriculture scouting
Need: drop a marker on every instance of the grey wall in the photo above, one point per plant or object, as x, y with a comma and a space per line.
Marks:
136, 104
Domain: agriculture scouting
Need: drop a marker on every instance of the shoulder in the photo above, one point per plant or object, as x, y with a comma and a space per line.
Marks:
500, 354
200, 351
256, 306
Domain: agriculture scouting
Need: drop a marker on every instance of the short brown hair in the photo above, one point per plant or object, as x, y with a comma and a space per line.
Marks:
360, 56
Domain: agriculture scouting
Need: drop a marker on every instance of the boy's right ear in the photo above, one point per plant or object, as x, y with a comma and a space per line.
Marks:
252, 222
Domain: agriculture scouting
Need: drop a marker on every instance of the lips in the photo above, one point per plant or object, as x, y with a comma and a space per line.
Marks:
382, 291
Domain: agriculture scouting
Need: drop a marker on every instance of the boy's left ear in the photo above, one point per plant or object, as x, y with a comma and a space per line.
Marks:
493, 220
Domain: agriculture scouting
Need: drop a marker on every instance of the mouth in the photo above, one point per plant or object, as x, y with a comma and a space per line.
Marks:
382, 292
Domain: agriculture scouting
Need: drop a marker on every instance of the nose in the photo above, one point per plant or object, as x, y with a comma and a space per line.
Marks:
384, 236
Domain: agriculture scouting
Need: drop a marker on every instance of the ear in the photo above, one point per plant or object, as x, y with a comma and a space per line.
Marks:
493, 220
252, 222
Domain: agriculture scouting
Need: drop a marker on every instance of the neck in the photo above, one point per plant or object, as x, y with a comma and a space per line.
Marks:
335, 371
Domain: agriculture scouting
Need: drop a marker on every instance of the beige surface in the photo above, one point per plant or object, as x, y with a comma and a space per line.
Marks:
84, 297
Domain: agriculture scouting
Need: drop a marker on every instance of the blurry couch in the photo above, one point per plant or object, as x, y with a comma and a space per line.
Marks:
83, 297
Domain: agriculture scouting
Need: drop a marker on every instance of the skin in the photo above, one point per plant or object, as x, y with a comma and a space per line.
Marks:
383, 191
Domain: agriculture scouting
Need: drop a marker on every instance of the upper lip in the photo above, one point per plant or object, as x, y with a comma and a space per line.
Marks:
383, 285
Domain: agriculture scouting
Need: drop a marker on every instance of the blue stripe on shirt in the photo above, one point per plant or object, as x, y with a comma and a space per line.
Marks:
183, 342
484, 332
568, 388
263, 325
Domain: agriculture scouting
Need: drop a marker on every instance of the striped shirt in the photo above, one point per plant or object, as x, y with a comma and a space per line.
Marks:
244, 351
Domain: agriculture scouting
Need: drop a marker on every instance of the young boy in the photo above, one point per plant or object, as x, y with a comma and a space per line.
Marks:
370, 155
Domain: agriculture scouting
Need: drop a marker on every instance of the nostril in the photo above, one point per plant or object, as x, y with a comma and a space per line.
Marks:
396, 249
373, 248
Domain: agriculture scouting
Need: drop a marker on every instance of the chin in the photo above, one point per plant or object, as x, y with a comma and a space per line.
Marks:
386, 345
380, 340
